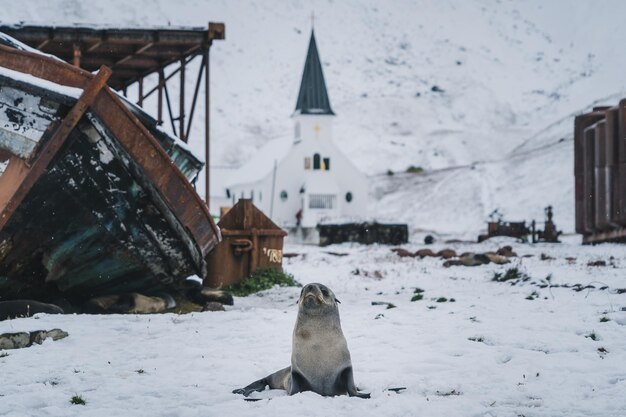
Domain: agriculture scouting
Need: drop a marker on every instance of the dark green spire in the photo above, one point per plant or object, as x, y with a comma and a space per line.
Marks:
313, 97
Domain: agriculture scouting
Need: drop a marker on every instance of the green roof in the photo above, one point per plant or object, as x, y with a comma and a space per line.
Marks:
313, 97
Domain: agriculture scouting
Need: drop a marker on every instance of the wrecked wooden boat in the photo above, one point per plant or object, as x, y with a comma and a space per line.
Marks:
90, 201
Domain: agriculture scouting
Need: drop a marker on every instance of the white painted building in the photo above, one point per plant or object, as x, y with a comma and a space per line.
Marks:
304, 173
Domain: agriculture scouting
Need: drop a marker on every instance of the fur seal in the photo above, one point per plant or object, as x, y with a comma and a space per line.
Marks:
320, 360
26, 308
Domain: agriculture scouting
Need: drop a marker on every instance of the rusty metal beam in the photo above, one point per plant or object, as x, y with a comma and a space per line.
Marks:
22, 175
160, 98
187, 60
195, 98
207, 126
181, 109
77, 54
169, 108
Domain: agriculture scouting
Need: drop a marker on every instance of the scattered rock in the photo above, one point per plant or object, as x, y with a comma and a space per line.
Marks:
336, 253
446, 253
129, 303
423, 253
25, 339
213, 306
429, 240
545, 257
497, 259
506, 251
208, 295
596, 263
403, 253
396, 390
469, 259
26, 308
290, 255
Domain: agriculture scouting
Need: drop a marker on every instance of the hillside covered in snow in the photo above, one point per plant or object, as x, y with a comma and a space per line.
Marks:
481, 94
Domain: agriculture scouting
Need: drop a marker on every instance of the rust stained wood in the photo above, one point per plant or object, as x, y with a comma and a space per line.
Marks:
23, 176
44, 67
159, 168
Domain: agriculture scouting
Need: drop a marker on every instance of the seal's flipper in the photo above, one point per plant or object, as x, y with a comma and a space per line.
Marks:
277, 380
299, 383
345, 383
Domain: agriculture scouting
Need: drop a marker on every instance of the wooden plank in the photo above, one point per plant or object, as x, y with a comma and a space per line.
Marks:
24, 175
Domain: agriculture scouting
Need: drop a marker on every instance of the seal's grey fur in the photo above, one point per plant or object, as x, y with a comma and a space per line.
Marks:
320, 360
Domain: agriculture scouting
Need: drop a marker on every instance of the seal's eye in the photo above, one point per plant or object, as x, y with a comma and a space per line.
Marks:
324, 292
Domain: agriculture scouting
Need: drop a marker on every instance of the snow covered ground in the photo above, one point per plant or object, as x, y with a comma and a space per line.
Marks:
499, 135
528, 357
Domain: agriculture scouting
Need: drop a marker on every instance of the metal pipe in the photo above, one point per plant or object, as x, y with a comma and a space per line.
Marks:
169, 108
195, 97
207, 126
181, 113
160, 99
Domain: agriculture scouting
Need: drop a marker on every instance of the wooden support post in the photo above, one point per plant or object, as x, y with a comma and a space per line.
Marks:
77, 55
181, 114
160, 98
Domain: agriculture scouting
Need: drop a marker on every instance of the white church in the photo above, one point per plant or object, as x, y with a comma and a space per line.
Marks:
304, 179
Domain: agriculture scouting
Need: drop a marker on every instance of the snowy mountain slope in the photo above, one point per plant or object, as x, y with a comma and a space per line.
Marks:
414, 82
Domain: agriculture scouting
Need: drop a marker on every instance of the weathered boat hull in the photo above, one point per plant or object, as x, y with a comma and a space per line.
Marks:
95, 206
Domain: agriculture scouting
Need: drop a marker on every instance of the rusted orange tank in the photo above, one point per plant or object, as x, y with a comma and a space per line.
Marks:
251, 241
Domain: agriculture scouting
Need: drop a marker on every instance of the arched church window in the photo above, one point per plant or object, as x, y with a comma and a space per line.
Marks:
327, 164
316, 161
349, 197
283, 195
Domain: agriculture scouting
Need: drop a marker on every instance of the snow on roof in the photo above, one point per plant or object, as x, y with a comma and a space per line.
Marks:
262, 162
41, 83
10, 41
100, 26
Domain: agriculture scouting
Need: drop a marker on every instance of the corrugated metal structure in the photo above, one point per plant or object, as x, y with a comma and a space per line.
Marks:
600, 174
251, 241
90, 201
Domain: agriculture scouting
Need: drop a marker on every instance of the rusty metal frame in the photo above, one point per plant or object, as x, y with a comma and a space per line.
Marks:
133, 137
167, 45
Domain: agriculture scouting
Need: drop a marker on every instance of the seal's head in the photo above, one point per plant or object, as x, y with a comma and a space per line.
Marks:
317, 298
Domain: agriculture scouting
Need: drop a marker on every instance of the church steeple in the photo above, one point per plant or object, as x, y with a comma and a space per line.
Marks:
313, 97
